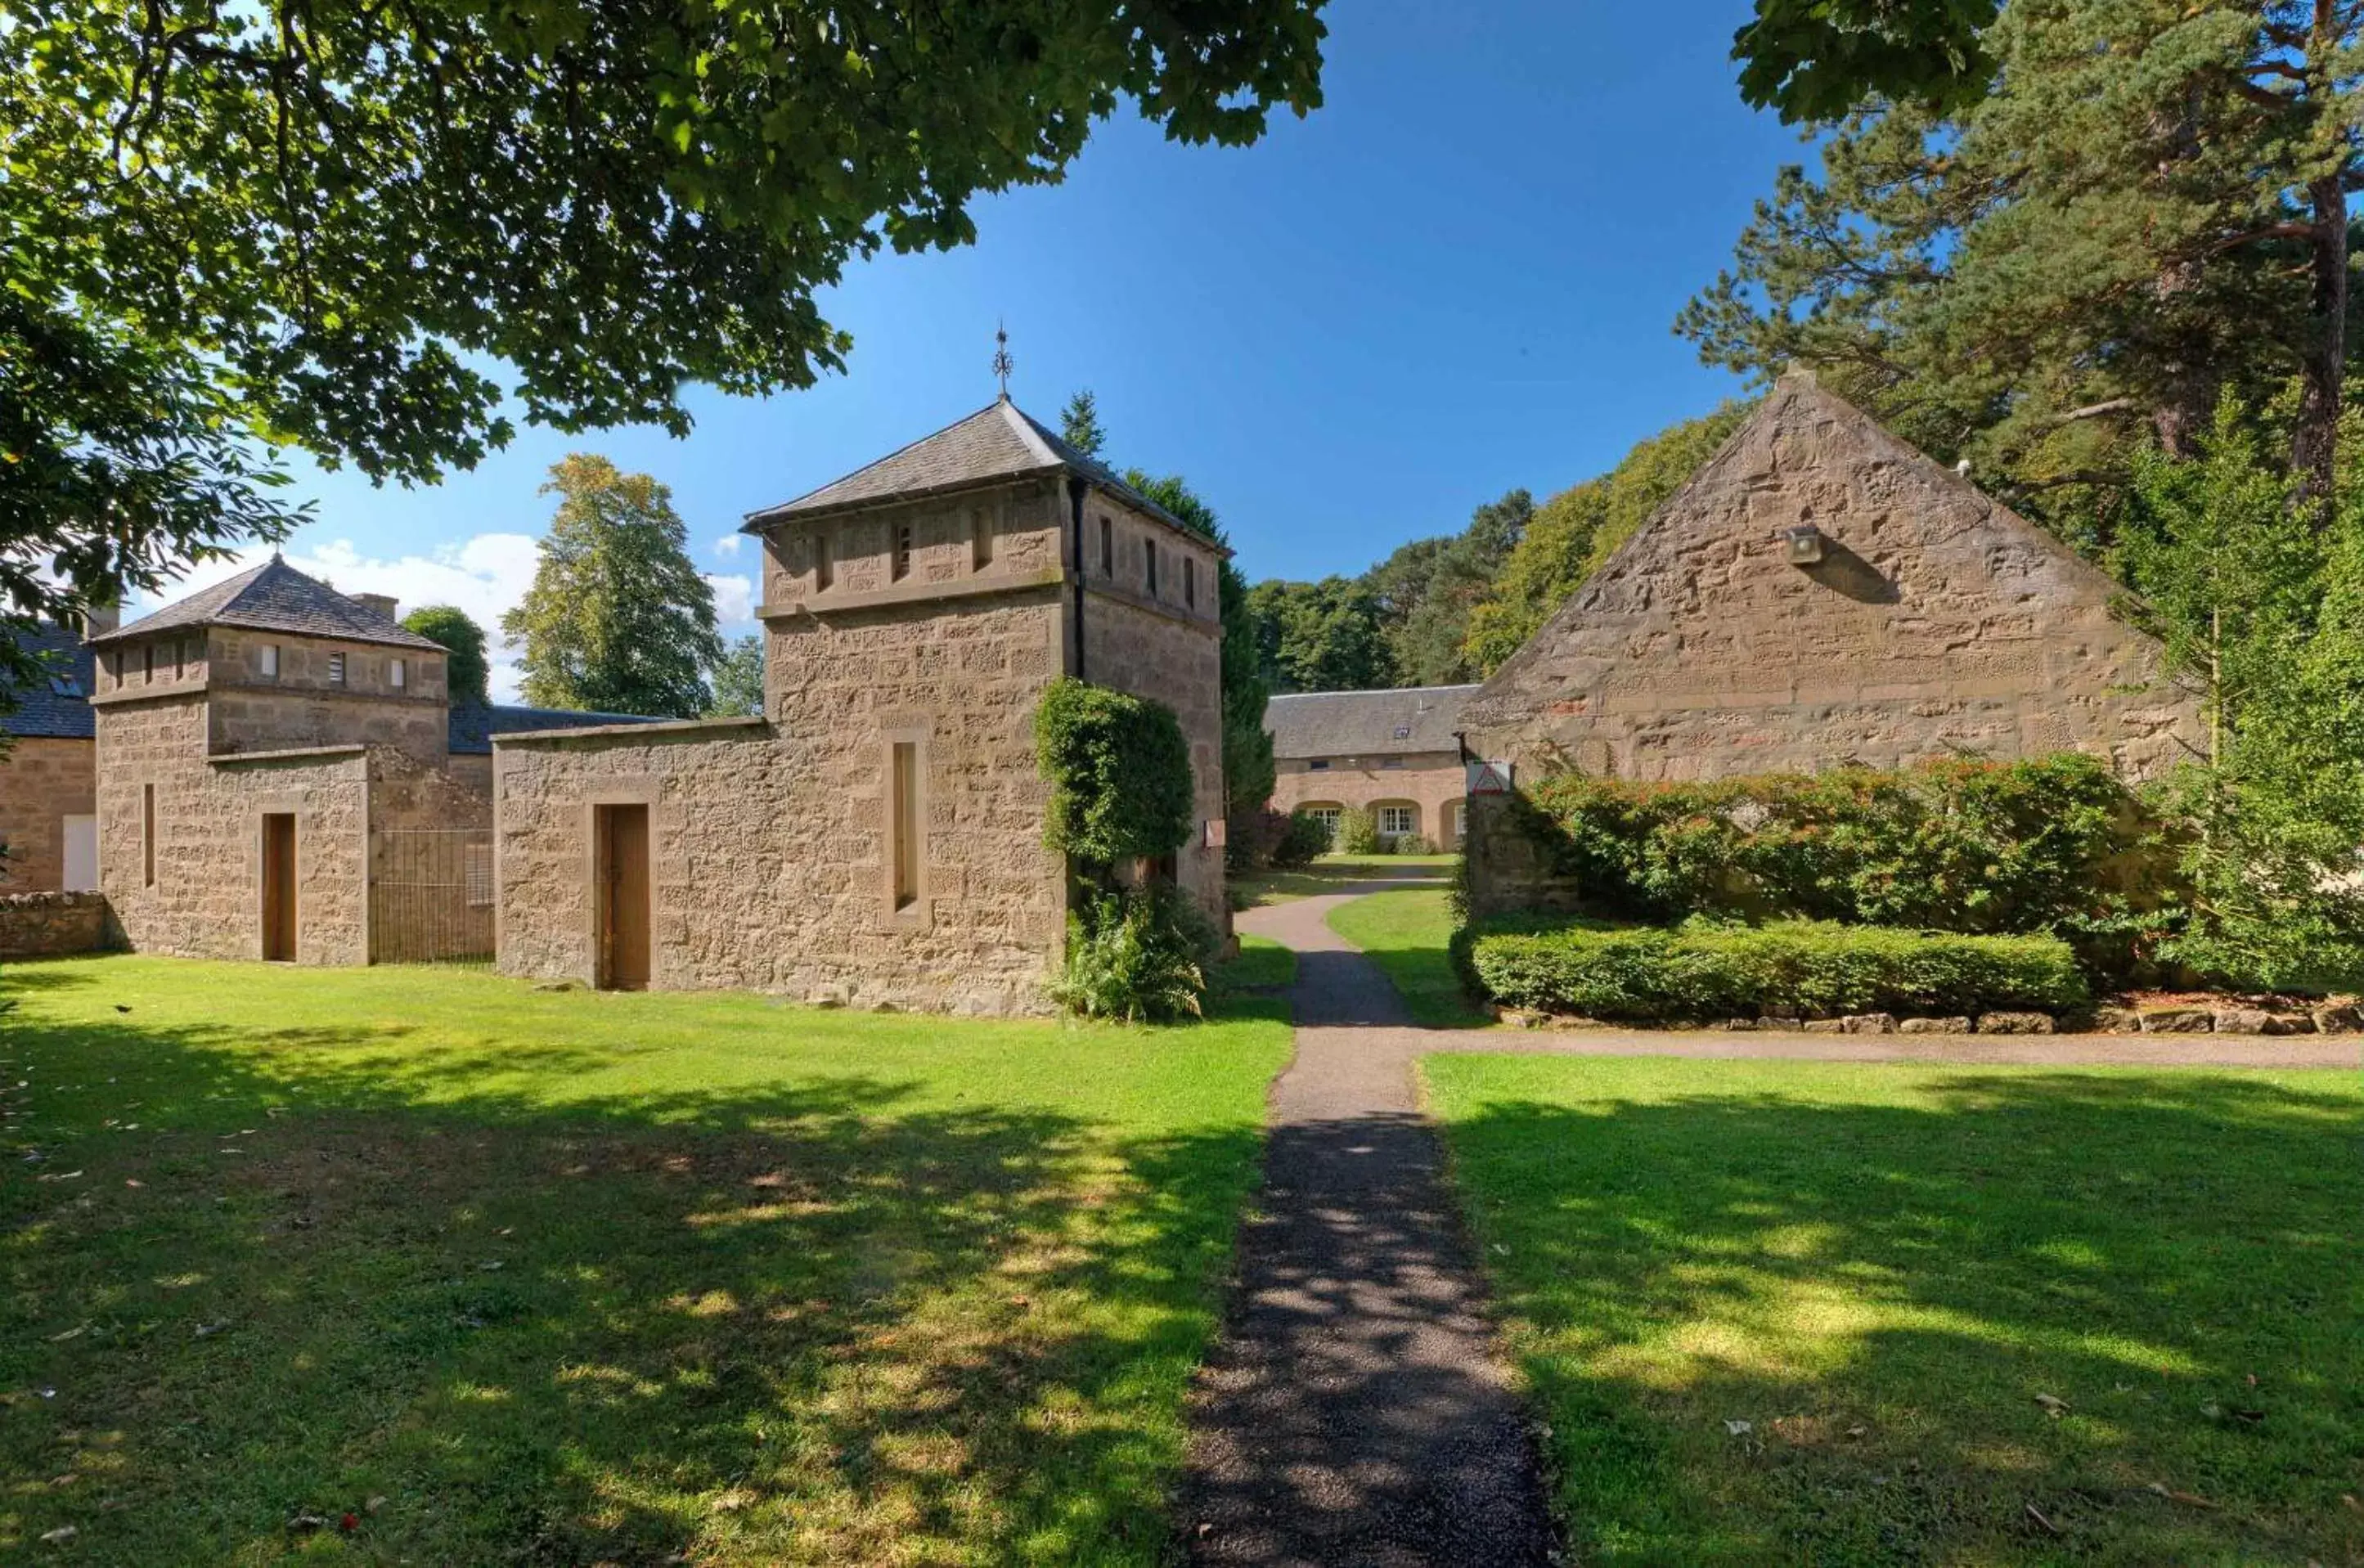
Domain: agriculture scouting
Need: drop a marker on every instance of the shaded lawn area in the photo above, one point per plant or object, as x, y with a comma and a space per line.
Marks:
574, 1277
1329, 873
1882, 1269
1264, 965
1406, 932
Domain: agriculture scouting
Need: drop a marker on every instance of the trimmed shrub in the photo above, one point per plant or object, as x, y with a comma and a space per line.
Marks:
1357, 834
1119, 774
1303, 839
2050, 844
1412, 844
1135, 955
1809, 968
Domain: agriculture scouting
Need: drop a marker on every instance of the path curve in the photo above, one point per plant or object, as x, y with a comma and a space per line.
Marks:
1355, 1409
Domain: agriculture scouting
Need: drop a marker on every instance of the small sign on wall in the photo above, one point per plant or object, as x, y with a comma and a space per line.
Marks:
1488, 778
1216, 836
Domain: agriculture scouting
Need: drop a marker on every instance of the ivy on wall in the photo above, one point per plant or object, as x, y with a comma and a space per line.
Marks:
1119, 774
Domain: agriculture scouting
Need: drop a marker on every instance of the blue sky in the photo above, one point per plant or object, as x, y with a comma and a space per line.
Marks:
1455, 278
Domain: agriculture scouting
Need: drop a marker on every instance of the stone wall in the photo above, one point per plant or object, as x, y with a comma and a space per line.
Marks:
1936, 623
44, 781
770, 850
1430, 782
1169, 650
51, 925
206, 898
298, 708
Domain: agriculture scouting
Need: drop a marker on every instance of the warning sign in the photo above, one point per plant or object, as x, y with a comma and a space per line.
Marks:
1488, 778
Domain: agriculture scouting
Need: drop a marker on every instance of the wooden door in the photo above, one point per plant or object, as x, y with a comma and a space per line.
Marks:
622, 862
279, 887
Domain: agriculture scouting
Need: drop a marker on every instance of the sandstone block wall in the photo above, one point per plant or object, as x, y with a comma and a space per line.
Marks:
769, 845
206, 900
1172, 653
300, 707
44, 781
1430, 782
1936, 623
51, 925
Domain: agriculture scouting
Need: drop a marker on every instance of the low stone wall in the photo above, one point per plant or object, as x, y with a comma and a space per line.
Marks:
51, 925
1505, 869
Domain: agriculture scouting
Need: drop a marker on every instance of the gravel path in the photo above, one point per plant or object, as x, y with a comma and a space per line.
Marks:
1356, 1411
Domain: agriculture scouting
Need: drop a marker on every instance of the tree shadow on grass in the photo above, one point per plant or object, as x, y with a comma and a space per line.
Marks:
1882, 1291
810, 1322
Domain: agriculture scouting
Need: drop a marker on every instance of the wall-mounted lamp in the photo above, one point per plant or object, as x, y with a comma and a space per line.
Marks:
1801, 546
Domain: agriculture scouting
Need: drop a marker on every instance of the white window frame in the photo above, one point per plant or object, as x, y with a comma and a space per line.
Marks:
397, 673
337, 670
267, 660
1397, 821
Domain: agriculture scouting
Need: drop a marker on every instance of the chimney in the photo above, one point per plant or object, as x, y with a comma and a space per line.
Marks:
100, 619
384, 604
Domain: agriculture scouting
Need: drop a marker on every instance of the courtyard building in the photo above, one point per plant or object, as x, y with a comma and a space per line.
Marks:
274, 778
1395, 754
875, 837
49, 809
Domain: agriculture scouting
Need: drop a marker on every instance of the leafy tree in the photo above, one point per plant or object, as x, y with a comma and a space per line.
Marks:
1248, 772
739, 681
467, 671
618, 620
280, 222
1426, 644
1079, 424
2149, 207
1815, 59
1319, 637
2263, 612
1571, 534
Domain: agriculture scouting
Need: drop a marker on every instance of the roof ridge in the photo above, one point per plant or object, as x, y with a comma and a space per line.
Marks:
748, 518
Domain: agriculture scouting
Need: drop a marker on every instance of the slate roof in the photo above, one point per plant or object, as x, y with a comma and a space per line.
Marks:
474, 725
44, 710
1000, 440
1366, 724
275, 596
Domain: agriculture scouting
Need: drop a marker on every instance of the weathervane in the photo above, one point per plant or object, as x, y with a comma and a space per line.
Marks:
1002, 363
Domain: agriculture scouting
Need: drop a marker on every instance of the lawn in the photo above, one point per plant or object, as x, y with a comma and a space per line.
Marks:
459, 1271
1837, 1314
1263, 966
1331, 874
1406, 930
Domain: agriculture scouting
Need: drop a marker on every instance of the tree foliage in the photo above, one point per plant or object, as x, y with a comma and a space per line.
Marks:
739, 681
1815, 59
1428, 589
1079, 424
2146, 208
618, 620
334, 227
467, 671
1321, 637
1576, 530
1119, 769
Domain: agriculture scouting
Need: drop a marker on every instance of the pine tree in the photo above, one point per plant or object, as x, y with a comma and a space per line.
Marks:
618, 620
1079, 424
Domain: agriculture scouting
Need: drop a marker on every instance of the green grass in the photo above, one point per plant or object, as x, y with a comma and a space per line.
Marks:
1887, 1271
1331, 873
513, 1276
1405, 930
1263, 965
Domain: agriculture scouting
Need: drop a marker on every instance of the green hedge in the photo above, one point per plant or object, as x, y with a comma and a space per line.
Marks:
1119, 774
2054, 844
1811, 969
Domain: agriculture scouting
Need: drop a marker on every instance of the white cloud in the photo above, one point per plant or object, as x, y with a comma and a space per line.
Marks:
729, 544
734, 600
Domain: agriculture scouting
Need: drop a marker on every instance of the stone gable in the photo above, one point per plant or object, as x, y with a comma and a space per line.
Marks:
1937, 622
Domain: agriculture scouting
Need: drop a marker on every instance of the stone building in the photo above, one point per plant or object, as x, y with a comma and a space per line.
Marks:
275, 779
875, 838
49, 813
1392, 753
1818, 594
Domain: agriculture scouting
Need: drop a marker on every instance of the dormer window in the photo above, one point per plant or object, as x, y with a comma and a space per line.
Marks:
336, 669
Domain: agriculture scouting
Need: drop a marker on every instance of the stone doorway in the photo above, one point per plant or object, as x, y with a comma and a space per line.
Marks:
620, 835
279, 887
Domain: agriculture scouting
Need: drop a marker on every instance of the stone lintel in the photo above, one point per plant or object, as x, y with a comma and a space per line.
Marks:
912, 592
294, 753
660, 729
